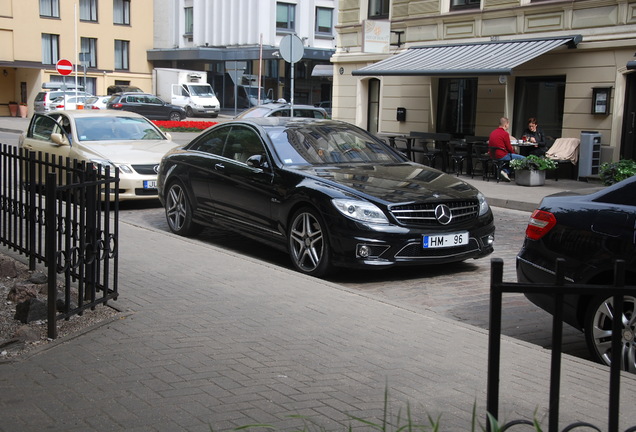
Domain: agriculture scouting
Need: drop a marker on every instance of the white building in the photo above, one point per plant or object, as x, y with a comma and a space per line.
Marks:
222, 36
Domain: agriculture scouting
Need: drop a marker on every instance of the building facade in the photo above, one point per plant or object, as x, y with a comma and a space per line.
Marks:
237, 39
457, 66
109, 37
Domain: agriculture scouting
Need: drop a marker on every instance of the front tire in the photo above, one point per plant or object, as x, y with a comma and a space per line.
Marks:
189, 112
179, 211
598, 331
308, 243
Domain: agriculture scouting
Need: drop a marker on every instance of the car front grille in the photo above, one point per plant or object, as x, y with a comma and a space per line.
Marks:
423, 214
146, 169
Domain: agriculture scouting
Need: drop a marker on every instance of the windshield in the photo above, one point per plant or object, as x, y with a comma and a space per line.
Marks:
115, 128
200, 90
329, 144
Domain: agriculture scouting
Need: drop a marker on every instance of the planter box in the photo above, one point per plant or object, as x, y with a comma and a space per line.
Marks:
530, 177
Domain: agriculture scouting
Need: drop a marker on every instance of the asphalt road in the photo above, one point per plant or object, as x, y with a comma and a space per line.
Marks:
460, 291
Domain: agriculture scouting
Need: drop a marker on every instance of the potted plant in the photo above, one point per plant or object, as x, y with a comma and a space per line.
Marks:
23, 109
13, 108
530, 171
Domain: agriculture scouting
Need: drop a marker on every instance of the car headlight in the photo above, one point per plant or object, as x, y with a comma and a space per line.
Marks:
105, 163
483, 204
360, 210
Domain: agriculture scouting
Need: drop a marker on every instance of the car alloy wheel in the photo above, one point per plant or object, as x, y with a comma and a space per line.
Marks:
598, 331
179, 211
175, 116
308, 243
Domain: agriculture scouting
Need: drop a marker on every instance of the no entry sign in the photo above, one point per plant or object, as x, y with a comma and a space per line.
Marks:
64, 67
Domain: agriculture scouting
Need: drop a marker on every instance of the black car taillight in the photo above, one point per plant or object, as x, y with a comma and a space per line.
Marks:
541, 222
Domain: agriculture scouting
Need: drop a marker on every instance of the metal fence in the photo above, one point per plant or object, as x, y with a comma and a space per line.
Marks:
63, 213
558, 289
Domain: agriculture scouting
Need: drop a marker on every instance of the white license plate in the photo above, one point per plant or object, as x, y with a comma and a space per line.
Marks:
444, 240
150, 184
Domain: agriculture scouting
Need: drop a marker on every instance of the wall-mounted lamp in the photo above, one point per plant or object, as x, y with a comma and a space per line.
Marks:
399, 38
601, 100
4, 72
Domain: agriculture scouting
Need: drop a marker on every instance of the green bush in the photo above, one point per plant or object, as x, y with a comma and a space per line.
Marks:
613, 172
533, 162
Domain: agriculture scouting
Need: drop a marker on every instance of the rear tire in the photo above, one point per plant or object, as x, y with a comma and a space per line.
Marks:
175, 116
308, 243
179, 211
598, 331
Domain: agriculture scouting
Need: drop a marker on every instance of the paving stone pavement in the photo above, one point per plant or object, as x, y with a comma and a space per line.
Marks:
211, 340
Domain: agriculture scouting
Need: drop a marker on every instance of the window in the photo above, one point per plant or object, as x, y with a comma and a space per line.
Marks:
324, 21
465, 4
121, 12
285, 16
88, 52
189, 20
88, 10
543, 98
121, 54
50, 48
50, 8
457, 106
212, 142
378, 9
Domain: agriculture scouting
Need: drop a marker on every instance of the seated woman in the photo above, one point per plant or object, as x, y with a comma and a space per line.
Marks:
535, 135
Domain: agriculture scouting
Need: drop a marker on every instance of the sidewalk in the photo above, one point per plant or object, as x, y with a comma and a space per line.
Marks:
209, 339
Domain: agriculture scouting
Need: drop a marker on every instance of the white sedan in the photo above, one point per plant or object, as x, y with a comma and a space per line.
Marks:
118, 139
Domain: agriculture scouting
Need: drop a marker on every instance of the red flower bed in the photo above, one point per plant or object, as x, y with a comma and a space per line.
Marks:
183, 126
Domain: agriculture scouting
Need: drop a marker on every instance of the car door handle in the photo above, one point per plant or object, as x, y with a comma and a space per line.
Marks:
219, 166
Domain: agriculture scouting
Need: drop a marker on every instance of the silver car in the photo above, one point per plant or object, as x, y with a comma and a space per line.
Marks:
118, 139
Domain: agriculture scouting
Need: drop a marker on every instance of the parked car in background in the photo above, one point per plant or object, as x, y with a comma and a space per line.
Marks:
283, 109
147, 105
68, 102
120, 88
96, 102
44, 99
326, 105
328, 192
123, 140
590, 232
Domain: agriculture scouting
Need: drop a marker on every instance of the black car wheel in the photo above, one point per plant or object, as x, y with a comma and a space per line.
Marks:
179, 211
189, 112
175, 116
308, 244
598, 331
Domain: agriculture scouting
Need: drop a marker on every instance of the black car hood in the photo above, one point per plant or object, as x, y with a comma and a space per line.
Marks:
392, 183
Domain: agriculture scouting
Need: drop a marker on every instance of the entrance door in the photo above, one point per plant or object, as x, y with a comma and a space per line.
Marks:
456, 108
542, 98
373, 108
628, 144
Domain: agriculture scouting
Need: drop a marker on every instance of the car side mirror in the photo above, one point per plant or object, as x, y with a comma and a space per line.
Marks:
257, 161
59, 139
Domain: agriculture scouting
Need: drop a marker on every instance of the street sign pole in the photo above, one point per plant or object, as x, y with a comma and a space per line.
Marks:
292, 50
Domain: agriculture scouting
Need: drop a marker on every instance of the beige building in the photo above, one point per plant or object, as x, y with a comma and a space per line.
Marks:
113, 35
456, 66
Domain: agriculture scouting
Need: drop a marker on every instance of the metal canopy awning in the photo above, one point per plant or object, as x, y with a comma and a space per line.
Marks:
322, 70
479, 58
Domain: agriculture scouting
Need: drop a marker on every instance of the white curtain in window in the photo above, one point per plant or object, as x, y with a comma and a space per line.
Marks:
121, 12
50, 53
49, 8
121, 54
323, 20
88, 10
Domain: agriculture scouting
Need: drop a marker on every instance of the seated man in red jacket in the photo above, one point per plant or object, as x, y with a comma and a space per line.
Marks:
500, 146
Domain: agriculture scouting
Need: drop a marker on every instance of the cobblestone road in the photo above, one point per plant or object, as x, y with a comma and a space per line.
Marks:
459, 291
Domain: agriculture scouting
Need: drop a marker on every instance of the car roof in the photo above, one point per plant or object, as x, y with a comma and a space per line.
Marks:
276, 105
267, 122
95, 113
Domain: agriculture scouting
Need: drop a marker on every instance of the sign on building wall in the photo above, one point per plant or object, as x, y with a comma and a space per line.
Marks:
377, 36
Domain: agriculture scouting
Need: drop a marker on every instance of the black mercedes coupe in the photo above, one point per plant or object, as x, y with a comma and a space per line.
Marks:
327, 192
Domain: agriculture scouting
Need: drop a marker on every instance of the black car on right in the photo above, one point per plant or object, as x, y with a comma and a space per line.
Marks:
590, 231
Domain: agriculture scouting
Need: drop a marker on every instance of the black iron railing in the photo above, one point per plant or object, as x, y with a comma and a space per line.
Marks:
558, 289
63, 213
